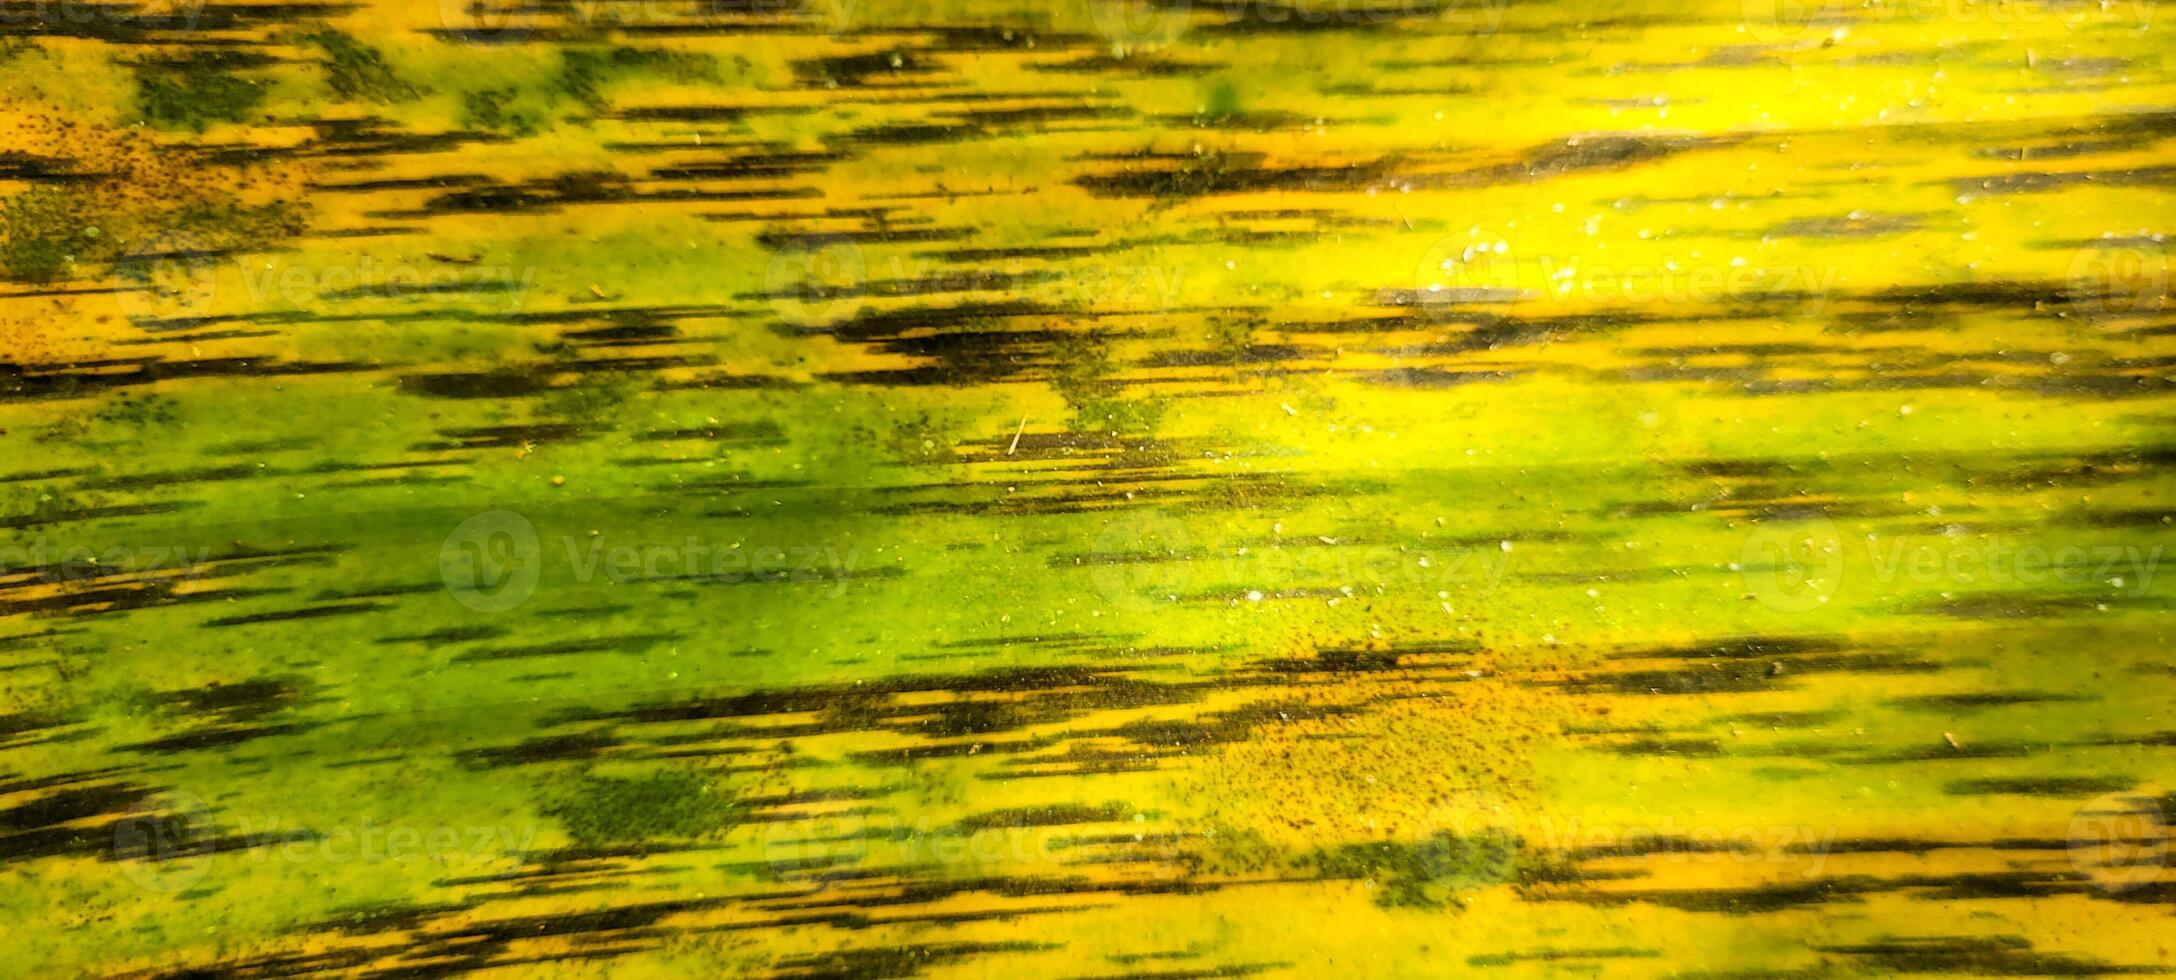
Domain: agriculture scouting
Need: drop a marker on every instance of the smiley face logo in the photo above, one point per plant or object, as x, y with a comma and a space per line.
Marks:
1791, 22
1134, 25
2119, 280
1141, 560
1792, 567
834, 16
815, 282
2122, 841
839, 838
168, 281
492, 561
1463, 271
163, 846
488, 21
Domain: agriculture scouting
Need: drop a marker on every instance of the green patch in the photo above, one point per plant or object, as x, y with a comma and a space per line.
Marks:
357, 71
593, 400
27, 505
497, 110
1239, 851
1431, 872
194, 90
584, 73
1223, 101
1110, 415
662, 806
1082, 377
231, 224
921, 441
46, 231
137, 412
